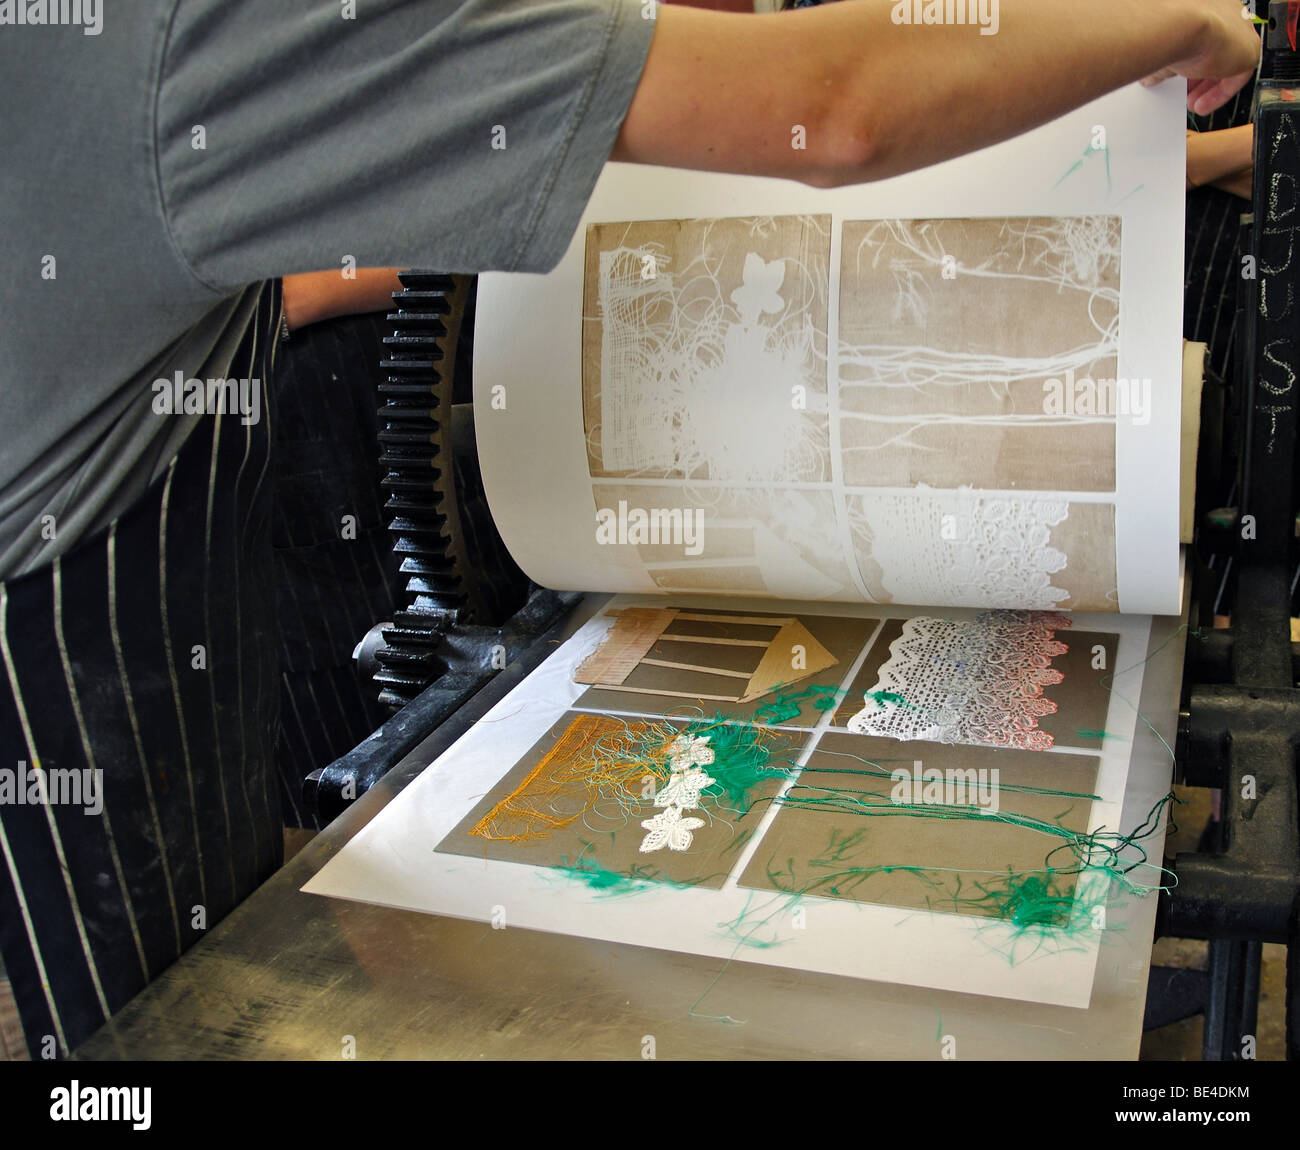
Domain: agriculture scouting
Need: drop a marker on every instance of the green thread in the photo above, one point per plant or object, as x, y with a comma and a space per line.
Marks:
880, 698
604, 882
785, 707
1036, 906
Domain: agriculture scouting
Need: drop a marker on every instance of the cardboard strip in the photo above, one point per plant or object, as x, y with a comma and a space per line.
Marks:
746, 620
715, 642
628, 641
695, 667
657, 691
778, 667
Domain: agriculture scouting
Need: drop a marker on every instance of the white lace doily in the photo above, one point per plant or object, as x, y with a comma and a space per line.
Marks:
979, 683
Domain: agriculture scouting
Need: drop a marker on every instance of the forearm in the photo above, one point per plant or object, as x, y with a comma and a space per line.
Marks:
1214, 156
874, 98
313, 296
1238, 183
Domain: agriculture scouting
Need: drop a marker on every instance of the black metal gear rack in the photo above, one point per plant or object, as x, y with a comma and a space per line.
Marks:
457, 569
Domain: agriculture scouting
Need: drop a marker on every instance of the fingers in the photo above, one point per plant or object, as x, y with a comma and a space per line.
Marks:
1205, 96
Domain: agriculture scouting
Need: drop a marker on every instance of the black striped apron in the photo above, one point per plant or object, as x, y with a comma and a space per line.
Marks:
149, 653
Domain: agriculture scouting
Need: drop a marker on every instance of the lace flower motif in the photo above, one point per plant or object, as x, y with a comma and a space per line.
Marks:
683, 790
689, 751
669, 828
687, 754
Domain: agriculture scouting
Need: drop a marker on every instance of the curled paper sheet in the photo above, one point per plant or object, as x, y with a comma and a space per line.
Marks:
957, 388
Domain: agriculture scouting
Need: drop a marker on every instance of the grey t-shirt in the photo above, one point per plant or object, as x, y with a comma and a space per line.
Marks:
154, 171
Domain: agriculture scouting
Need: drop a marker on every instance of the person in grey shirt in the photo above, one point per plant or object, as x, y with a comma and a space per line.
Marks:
165, 162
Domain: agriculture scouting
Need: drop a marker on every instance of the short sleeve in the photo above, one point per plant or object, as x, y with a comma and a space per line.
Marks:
295, 135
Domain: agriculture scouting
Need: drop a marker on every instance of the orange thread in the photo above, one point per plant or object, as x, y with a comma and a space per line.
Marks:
593, 758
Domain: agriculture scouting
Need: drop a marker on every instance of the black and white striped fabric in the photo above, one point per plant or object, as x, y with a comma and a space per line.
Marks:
148, 653
335, 570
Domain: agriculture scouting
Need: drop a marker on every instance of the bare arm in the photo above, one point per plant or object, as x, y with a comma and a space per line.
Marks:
1222, 158
725, 92
1240, 183
313, 296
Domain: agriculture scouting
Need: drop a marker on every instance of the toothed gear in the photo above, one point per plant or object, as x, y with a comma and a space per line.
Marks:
456, 566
